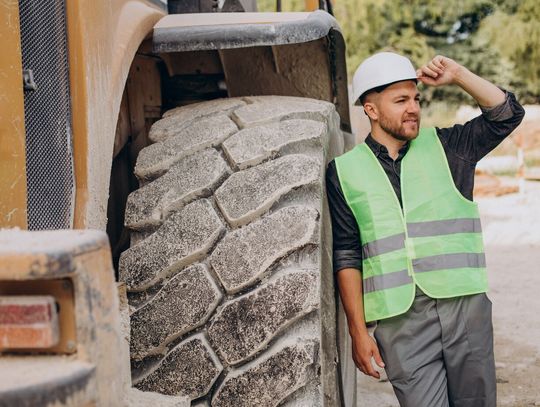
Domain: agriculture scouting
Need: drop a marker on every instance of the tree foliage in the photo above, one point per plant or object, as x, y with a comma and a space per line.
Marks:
514, 32
499, 40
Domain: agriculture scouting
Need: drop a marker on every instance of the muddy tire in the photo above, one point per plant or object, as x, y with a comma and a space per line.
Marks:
229, 270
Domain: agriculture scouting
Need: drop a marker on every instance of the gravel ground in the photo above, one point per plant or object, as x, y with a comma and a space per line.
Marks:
511, 226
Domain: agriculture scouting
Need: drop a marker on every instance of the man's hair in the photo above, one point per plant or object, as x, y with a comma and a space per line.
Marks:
378, 89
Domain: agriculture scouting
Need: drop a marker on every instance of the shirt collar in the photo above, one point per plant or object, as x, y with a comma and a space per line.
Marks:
378, 149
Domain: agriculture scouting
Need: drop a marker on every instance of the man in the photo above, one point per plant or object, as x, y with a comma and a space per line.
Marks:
408, 249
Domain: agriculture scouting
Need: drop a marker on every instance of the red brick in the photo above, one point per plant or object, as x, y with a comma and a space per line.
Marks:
24, 314
28, 322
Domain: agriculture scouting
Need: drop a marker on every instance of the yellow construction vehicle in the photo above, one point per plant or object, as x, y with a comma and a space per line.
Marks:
195, 133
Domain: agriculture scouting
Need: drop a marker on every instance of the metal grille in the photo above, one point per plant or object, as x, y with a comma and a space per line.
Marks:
49, 155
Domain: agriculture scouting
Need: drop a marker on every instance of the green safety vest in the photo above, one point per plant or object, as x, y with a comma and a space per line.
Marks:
434, 242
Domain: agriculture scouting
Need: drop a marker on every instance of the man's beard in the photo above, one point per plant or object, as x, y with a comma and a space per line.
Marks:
398, 132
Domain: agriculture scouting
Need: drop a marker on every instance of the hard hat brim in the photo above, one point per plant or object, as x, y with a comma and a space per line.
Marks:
358, 100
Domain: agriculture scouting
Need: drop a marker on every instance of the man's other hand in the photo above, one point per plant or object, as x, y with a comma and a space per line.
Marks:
439, 71
364, 348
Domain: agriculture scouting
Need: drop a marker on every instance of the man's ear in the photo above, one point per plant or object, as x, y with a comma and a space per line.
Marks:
370, 109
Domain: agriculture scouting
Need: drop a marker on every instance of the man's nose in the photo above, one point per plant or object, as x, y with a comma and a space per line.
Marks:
413, 106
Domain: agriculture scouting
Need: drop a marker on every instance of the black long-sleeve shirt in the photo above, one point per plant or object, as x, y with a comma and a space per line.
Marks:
464, 146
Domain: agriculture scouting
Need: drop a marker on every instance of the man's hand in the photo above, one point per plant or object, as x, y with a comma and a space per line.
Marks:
439, 71
445, 71
363, 346
363, 349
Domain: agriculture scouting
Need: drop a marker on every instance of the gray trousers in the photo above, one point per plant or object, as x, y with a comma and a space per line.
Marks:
440, 352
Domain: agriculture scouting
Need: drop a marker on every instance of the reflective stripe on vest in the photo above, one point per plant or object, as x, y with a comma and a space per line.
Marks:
434, 242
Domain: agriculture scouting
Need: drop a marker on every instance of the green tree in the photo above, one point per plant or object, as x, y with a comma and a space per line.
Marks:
286, 5
514, 31
499, 40
422, 29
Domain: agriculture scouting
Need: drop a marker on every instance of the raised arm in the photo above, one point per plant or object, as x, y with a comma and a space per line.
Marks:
501, 113
445, 71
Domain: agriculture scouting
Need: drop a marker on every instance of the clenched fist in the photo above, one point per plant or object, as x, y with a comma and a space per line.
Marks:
439, 71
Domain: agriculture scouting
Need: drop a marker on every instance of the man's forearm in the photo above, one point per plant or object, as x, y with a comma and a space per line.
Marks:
350, 291
444, 71
483, 91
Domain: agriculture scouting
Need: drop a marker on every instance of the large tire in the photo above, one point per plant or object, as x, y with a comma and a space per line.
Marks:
229, 271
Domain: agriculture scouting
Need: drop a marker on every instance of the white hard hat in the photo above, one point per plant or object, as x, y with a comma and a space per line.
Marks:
381, 69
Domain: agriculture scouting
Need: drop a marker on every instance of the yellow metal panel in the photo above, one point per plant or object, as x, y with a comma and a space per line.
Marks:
12, 136
311, 5
103, 37
78, 109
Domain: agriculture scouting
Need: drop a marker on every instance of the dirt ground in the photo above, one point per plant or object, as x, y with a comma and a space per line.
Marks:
511, 226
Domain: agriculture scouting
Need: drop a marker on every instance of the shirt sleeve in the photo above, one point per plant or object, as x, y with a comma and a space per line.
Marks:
347, 252
476, 138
